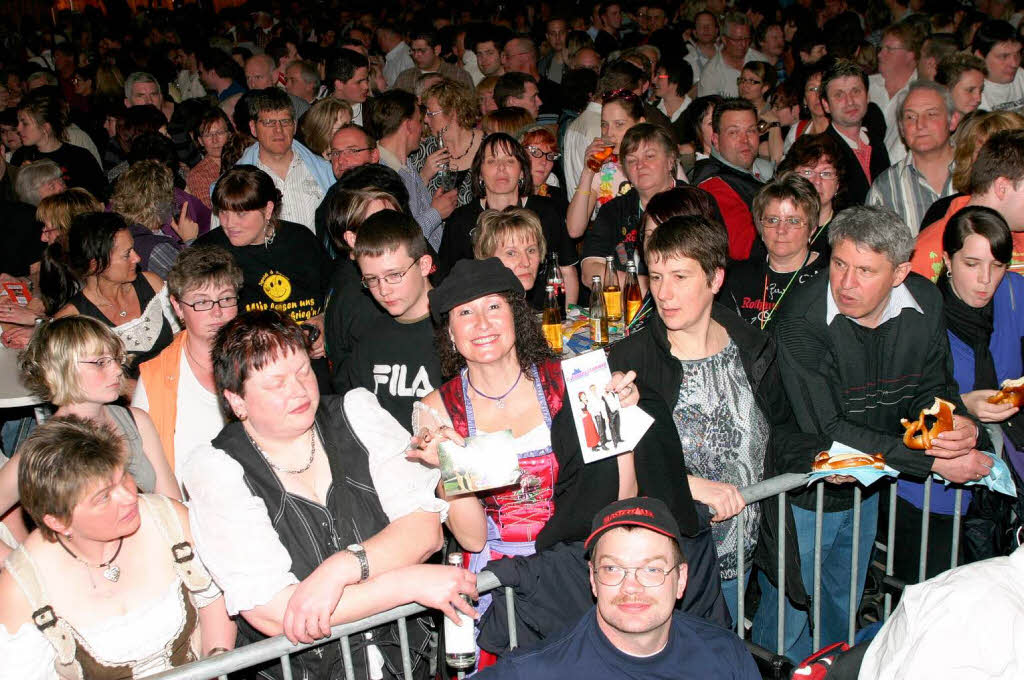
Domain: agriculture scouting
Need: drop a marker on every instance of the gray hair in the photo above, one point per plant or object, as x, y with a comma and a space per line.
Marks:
139, 77
48, 76
307, 72
874, 227
32, 177
734, 19
941, 90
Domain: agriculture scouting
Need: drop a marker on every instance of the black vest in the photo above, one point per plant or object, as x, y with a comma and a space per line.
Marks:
311, 533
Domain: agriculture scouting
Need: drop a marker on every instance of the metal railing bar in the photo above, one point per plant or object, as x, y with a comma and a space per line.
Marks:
780, 609
403, 640
741, 568
286, 667
890, 547
276, 647
819, 518
954, 554
854, 563
510, 605
772, 487
922, 565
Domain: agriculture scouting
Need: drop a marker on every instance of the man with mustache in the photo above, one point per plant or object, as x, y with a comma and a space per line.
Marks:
637, 573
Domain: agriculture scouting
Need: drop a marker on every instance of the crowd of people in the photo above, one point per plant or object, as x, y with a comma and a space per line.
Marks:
262, 261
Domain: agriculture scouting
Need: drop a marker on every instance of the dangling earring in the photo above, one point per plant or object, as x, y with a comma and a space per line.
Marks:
522, 184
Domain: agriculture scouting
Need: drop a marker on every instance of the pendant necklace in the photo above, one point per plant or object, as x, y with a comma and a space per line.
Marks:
500, 400
111, 571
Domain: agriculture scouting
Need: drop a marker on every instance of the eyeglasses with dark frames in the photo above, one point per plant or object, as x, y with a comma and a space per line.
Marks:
537, 152
207, 305
392, 279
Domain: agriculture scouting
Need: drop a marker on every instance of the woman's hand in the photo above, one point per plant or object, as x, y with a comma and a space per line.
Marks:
595, 148
17, 337
12, 312
424, 446
724, 499
442, 588
623, 387
307, 616
977, 405
185, 226
434, 163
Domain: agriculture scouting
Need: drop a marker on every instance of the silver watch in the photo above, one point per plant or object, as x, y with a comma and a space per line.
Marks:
364, 564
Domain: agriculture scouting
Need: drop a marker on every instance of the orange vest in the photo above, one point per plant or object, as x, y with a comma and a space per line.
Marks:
160, 376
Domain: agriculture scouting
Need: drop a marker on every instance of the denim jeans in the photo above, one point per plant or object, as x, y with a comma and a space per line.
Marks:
836, 552
729, 593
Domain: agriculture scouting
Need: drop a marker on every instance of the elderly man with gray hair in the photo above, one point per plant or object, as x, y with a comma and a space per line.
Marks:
858, 350
910, 185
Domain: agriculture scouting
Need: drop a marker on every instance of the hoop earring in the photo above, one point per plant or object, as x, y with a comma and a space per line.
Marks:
949, 274
522, 184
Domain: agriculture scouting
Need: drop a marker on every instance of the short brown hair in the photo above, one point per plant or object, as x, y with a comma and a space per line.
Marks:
244, 188
200, 266
910, 35
647, 133
49, 365
788, 187
693, 237
60, 208
386, 231
248, 343
59, 460
457, 100
494, 226
1001, 156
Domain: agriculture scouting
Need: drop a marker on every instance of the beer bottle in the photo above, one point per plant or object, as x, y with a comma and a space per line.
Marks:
555, 280
459, 640
612, 292
552, 321
598, 315
634, 299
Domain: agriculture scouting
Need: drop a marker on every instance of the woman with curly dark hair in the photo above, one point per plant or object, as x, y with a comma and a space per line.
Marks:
816, 159
506, 378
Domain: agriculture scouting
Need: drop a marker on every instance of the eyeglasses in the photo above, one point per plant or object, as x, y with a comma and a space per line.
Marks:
648, 577
774, 222
215, 134
811, 174
536, 152
283, 123
814, 89
102, 362
392, 279
742, 38
207, 305
334, 153
431, 114
893, 48
747, 81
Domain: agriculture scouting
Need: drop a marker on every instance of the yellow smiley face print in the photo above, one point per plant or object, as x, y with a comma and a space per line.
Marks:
277, 286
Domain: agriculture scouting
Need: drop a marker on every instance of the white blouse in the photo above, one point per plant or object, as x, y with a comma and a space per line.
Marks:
234, 533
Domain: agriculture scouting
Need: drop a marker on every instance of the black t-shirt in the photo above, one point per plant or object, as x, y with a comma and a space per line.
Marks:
397, 362
351, 311
457, 242
290, 275
22, 246
754, 290
617, 232
78, 165
696, 649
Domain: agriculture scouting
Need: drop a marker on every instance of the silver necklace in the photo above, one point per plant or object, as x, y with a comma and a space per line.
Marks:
111, 571
271, 463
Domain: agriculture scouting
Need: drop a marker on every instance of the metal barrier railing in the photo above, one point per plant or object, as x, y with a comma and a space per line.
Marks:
779, 487
280, 648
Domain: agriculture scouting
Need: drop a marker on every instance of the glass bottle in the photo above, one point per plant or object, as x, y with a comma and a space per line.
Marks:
459, 640
557, 282
612, 291
633, 296
598, 316
552, 321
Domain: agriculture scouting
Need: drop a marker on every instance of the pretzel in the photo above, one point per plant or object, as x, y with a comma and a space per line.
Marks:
824, 462
918, 435
1011, 392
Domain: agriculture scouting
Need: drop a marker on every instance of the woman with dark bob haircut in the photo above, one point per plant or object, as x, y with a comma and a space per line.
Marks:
983, 306
501, 177
294, 478
284, 266
816, 159
506, 378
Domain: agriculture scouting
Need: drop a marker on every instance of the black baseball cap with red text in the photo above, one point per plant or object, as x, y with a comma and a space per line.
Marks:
649, 513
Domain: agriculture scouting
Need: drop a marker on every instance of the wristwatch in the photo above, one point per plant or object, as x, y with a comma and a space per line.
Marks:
364, 564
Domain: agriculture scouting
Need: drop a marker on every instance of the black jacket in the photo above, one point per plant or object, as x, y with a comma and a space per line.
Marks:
855, 184
648, 353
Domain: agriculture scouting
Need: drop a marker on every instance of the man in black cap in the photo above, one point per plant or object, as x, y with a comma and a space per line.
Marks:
637, 573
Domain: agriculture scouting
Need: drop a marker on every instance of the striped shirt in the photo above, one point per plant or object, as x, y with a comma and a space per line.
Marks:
903, 189
300, 192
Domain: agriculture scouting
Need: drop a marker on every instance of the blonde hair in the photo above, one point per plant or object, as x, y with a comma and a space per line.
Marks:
972, 135
144, 194
58, 463
316, 126
346, 211
61, 208
49, 365
457, 100
493, 228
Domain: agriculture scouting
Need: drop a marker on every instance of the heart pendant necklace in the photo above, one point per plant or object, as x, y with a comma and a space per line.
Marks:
111, 571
